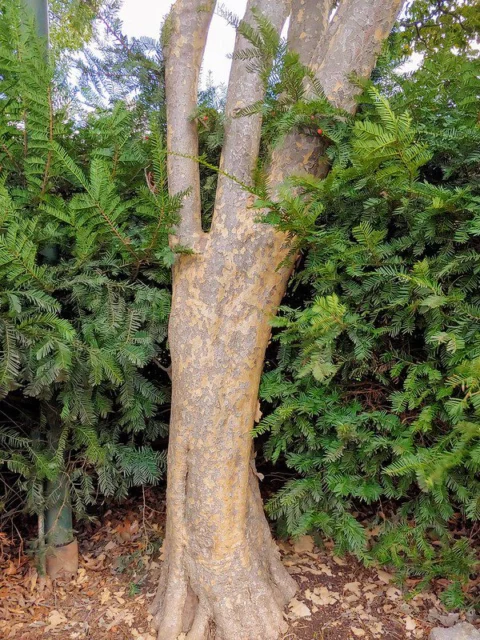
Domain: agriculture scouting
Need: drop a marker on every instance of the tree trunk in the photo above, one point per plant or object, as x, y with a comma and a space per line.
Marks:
222, 577
222, 569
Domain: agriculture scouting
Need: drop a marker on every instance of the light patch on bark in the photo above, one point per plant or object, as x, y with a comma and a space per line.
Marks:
308, 25
351, 46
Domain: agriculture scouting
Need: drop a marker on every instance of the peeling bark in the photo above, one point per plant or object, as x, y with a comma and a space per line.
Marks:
222, 578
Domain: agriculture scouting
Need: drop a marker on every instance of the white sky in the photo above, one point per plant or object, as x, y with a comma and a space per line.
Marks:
144, 17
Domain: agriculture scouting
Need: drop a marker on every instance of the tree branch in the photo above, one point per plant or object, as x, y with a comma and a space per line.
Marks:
242, 134
300, 153
308, 25
351, 46
185, 34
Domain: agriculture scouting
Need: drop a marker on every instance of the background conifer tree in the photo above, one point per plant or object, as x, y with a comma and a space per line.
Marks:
84, 269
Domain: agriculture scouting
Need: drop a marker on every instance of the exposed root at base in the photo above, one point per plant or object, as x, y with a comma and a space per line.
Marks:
233, 604
237, 593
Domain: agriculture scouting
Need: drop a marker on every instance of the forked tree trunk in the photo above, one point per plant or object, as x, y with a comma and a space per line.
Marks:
222, 576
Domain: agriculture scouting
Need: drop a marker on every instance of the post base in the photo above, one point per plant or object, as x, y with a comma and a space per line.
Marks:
62, 562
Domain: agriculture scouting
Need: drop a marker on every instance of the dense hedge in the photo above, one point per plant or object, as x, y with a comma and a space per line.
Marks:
84, 286
376, 391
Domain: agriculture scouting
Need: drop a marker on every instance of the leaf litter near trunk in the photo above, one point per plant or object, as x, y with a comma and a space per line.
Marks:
338, 599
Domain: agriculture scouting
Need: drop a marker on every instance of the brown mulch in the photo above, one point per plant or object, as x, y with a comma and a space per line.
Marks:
338, 599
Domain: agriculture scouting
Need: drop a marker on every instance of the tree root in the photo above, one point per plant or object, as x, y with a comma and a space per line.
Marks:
219, 587
239, 598
227, 603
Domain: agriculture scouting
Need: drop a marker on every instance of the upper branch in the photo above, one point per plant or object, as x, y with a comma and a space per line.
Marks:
299, 152
186, 31
351, 46
308, 25
242, 134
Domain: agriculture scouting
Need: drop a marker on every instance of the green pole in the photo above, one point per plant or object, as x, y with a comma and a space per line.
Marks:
58, 520
58, 517
39, 9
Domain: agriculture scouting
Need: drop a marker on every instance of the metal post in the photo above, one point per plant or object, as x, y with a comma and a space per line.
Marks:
39, 8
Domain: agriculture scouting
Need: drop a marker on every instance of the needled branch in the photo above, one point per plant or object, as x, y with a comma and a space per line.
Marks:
185, 34
242, 134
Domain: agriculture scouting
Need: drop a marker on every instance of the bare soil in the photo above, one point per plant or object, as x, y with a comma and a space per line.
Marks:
338, 599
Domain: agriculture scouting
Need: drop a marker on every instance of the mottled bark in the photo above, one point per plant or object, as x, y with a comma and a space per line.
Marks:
185, 35
308, 25
351, 46
222, 576
242, 134
218, 543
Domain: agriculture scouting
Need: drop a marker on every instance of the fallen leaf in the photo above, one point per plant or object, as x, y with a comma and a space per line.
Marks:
299, 609
55, 618
105, 597
303, 544
374, 531
377, 629
370, 597
81, 576
384, 577
284, 546
410, 624
360, 633
351, 598
129, 618
322, 596
322, 570
393, 593
94, 564
119, 618
353, 587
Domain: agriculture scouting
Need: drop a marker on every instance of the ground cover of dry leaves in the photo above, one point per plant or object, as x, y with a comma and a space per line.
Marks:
338, 599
